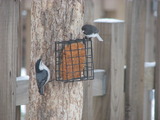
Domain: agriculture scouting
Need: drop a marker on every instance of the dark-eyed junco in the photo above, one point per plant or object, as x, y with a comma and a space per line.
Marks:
91, 31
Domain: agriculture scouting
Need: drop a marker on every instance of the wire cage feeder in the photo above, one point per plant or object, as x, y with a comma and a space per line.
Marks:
74, 60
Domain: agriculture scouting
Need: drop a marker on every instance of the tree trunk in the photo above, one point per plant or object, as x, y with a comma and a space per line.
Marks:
51, 21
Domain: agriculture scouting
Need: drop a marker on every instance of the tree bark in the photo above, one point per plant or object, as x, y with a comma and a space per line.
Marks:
54, 20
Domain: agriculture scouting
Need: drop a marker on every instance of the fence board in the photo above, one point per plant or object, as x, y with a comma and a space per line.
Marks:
157, 74
150, 32
136, 19
8, 51
87, 112
109, 55
19, 57
148, 86
22, 92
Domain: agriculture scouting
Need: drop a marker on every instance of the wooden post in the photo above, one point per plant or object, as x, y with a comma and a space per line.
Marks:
157, 77
54, 21
109, 55
135, 31
9, 12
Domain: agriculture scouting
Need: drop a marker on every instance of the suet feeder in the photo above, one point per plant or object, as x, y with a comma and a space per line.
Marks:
74, 60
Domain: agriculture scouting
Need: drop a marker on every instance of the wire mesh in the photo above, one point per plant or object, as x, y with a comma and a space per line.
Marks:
74, 60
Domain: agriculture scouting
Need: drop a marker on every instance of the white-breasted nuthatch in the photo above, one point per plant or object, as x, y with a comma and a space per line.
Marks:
91, 31
42, 75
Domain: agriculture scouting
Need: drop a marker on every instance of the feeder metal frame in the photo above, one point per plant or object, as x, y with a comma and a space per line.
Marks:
88, 71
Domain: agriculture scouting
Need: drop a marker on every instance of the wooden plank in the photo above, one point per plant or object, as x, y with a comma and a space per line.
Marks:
98, 9
22, 92
9, 10
150, 39
27, 4
22, 87
114, 8
87, 101
26, 33
157, 72
117, 72
148, 86
101, 53
109, 55
150, 32
19, 56
87, 112
135, 31
18, 113
28, 39
88, 14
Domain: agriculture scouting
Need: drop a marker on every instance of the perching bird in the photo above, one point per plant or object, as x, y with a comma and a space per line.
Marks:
42, 75
91, 31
